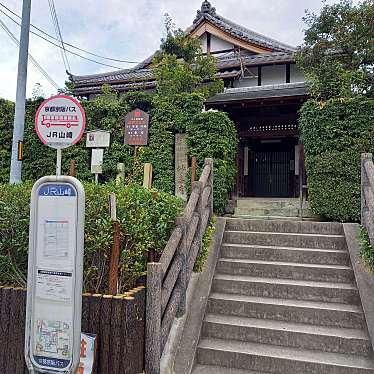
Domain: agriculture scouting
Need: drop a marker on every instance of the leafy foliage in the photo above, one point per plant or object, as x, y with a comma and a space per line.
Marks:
106, 111
6, 127
145, 224
338, 55
180, 65
335, 133
206, 242
213, 135
366, 253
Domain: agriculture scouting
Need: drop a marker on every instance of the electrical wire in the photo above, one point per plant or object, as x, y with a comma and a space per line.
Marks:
65, 43
58, 46
32, 59
58, 32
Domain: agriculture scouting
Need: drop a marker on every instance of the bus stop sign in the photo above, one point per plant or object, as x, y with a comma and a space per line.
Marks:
55, 272
60, 122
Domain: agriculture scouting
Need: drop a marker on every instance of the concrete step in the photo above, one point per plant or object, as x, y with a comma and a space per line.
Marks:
274, 359
344, 293
285, 239
286, 226
273, 218
268, 203
209, 369
285, 270
293, 254
287, 334
297, 311
279, 212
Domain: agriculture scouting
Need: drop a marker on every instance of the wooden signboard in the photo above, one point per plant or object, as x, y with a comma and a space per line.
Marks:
136, 128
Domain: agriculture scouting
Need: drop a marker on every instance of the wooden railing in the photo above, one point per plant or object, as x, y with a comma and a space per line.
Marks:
167, 280
367, 194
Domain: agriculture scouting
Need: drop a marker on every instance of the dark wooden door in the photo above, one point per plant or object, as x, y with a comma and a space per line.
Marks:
271, 173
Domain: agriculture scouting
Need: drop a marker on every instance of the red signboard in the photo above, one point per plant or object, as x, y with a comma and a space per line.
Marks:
136, 128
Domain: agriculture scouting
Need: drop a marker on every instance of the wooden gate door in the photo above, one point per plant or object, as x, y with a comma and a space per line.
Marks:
271, 173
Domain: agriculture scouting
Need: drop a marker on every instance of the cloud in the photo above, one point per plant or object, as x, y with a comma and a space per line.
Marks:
131, 30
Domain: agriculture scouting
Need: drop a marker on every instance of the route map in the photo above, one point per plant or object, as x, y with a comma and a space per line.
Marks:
53, 339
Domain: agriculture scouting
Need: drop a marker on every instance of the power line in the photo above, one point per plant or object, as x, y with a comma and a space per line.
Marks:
68, 44
33, 61
58, 46
54, 17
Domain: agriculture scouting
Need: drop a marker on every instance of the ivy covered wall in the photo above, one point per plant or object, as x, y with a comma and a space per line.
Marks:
210, 134
335, 133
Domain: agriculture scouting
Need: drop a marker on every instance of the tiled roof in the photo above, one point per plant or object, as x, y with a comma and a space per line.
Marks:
208, 13
227, 65
260, 92
113, 76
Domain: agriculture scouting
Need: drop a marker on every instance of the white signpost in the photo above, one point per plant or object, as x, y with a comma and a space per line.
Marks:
97, 140
56, 242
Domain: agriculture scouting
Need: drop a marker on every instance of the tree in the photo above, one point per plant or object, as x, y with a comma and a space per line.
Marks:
337, 56
181, 67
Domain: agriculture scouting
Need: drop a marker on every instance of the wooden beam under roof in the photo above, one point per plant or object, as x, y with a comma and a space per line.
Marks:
216, 31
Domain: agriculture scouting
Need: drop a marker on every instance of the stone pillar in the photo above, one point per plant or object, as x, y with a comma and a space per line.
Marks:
181, 165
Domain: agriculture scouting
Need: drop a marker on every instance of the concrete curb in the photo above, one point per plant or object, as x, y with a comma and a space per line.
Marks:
179, 353
364, 279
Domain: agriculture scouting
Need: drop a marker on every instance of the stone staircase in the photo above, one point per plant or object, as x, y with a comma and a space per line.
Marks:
284, 301
272, 208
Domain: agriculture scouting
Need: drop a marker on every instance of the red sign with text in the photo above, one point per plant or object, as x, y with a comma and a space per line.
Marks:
136, 128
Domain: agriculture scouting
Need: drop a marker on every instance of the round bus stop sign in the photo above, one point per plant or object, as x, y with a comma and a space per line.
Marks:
60, 122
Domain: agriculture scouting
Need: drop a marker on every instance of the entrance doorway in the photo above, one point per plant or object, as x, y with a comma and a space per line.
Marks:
269, 168
271, 173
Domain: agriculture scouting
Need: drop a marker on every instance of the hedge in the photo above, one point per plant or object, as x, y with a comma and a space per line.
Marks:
145, 224
210, 134
335, 133
213, 134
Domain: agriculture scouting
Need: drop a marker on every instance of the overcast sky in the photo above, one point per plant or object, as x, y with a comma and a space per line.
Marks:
130, 30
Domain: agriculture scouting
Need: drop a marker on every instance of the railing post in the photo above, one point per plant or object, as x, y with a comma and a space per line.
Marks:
365, 157
209, 161
153, 319
182, 278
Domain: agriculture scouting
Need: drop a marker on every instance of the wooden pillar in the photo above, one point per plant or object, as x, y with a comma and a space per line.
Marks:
193, 170
73, 168
153, 319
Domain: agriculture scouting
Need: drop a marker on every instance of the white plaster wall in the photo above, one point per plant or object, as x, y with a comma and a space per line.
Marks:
296, 74
248, 81
217, 44
203, 39
273, 74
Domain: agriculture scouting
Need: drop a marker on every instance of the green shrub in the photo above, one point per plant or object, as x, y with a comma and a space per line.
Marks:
366, 253
213, 135
206, 242
145, 224
335, 133
210, 135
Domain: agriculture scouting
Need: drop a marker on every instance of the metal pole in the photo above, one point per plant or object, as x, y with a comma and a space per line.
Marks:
19, 114
58, 162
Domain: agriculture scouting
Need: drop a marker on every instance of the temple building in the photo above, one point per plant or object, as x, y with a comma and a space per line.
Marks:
264, 91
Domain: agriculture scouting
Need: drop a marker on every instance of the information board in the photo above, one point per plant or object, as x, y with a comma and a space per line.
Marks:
136, 128
55, 271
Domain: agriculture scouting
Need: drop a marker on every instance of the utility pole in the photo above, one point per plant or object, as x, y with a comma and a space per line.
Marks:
19, 114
